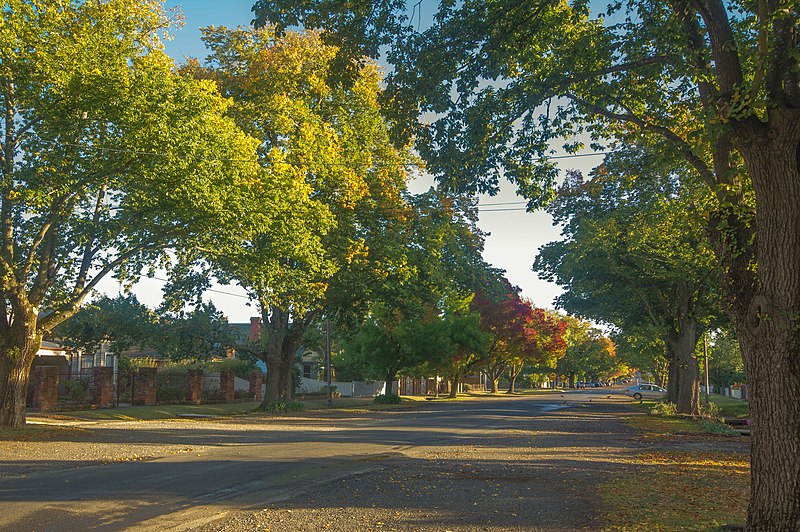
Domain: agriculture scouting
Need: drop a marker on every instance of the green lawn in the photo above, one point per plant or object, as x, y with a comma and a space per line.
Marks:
729, 407
133, 413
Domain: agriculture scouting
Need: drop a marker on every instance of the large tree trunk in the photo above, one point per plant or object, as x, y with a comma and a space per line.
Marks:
14, 372
454, 386
276, 322
766, 309
291, 345
17, 350
513, 373
389, 387
494, 372
672, 374
682, 343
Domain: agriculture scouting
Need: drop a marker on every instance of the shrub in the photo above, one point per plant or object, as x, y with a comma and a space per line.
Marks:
664, 409
467, 388
283, 406
710, 411
334, 391
240, 367
170, 393
77, 390
390, 399
716, 427
170, 387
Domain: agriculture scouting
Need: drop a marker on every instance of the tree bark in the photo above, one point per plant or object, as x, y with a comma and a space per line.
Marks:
672, 374
454, 386
275, 320
389, 388
513, 373
494, 372
765, 306
291, 345
17, 350
686, 374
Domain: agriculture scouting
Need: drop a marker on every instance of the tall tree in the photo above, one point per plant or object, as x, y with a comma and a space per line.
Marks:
542, 342
589, 355
719, 81
120, 322
108, 159
633, 255
336, 183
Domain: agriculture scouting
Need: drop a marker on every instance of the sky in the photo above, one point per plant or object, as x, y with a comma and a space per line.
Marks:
514, 235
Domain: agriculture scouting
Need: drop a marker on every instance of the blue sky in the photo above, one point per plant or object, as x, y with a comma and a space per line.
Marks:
515, 236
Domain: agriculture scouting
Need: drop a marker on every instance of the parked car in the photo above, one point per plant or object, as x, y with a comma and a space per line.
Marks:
646, 391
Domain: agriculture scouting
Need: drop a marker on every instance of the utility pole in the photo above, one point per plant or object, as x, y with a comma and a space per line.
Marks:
705, 363
328, 359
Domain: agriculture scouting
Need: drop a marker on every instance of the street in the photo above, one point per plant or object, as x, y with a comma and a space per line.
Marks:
246, 463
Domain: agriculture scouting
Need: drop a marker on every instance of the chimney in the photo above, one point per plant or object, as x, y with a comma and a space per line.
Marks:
255, 329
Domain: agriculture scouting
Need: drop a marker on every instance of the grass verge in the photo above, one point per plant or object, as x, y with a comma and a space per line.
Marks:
136, 413
729, 407
36, 432
678, 490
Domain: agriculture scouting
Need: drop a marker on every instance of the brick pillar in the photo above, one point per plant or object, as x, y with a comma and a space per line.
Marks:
226, 386
45, 387
256, 383
145, 387
255, 329
194, 386
102, 390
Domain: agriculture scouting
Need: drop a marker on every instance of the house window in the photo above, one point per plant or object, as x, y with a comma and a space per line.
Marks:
307, 370
87, 361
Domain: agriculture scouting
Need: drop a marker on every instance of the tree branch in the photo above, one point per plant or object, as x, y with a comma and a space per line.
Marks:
685, 149
698, 52
68, 309
724, 47
89, 249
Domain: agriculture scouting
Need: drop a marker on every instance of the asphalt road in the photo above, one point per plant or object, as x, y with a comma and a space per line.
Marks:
248, 464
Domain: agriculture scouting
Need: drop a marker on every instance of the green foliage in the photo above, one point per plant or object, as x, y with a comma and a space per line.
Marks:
77, 390
332, 185
111, 161
170, 388
120, 323
589, 354
200, 334
713, 426
282, 406
726, 366
664, 409
711, 411
240, 367
390, 399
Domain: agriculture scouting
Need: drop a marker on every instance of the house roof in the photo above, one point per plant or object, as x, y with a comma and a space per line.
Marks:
51, 346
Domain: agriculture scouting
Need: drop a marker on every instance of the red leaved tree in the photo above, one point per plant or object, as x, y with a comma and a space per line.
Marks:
520, 333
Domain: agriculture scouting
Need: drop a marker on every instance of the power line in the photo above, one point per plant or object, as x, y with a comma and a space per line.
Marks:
206, 290
291, 163
520, 209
